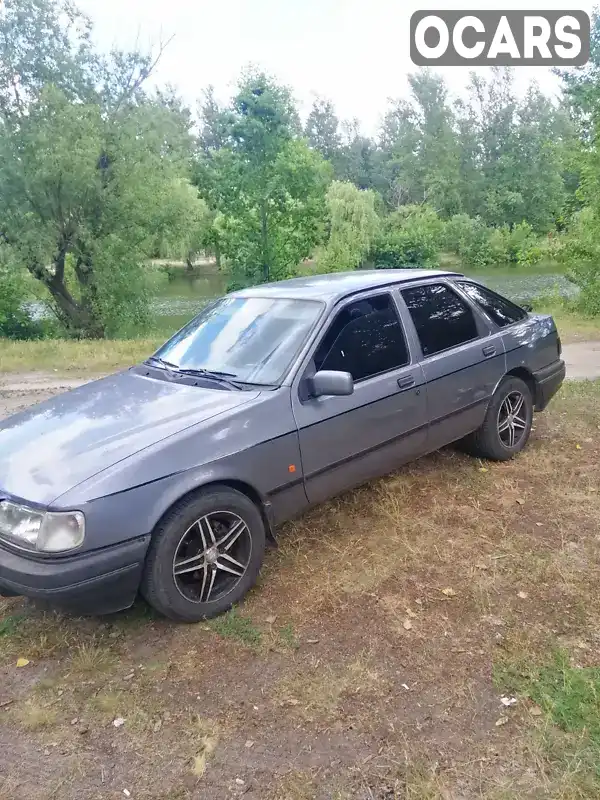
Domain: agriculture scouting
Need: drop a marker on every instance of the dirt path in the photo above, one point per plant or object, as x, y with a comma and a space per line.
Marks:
582, 359
22, 389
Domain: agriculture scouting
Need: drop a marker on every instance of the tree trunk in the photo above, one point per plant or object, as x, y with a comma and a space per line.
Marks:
79, 320
218, 254
78, 317
264, 241
189, 261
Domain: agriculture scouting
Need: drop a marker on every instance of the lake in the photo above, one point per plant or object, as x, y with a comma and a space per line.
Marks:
184, 295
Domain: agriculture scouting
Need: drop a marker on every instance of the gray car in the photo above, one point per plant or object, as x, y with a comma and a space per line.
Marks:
171, 477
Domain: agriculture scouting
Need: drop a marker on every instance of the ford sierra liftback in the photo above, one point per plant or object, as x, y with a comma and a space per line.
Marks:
171, 477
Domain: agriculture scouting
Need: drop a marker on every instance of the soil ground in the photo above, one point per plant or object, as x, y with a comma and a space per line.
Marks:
370, 661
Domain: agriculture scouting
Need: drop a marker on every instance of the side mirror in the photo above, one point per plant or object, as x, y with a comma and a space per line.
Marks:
330, 382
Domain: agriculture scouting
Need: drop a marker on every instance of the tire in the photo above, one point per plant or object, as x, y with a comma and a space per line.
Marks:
221, 532
490, 441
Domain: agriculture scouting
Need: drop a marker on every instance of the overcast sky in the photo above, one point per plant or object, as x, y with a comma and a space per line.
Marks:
354, 52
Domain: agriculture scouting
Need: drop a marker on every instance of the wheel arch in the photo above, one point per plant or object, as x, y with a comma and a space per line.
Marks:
238, 485
527, 377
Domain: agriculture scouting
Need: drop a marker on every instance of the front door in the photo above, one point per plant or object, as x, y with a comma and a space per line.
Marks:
347, 440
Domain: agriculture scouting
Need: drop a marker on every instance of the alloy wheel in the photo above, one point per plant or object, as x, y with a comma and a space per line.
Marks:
212, 557
512, 419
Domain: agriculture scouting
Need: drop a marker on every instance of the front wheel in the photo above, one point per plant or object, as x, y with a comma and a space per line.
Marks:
204, 555
507, 424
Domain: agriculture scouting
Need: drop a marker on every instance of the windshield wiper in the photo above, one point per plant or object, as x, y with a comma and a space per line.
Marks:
162, 362
222, 377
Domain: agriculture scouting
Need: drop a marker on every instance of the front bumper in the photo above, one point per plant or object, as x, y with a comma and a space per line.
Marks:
97, 582
547, 383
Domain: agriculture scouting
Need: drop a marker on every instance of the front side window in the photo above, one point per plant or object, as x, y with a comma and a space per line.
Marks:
365, 339
442, 318
254, 339
499, 309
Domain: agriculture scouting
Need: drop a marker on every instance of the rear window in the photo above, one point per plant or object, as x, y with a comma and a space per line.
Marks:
499, 309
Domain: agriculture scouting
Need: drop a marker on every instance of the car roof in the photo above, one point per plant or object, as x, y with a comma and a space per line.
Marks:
334, 285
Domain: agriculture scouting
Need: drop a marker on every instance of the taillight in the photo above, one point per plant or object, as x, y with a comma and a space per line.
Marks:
559, 345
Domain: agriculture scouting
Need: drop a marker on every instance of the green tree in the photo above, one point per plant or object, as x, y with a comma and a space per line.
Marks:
92, 168
267, 186
353, 225
421, 147
323, 133
512, 153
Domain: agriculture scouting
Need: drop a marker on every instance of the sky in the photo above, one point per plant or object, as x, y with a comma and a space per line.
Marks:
353, 52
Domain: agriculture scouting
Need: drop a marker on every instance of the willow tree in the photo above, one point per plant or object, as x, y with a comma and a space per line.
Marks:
92, 167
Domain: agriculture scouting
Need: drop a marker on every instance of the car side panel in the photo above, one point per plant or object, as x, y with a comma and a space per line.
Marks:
459, 387
531, 343
257, 445
348, 440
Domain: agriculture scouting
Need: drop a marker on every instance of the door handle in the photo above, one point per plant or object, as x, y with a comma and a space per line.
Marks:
489, 350
407, 382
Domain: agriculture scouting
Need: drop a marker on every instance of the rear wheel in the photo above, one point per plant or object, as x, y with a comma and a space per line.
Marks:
507, 424
204, 556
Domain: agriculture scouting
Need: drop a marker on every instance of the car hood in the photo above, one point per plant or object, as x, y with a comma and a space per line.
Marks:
57, 444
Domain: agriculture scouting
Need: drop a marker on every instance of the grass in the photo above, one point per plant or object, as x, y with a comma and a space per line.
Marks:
567, 742
10, 625
568, 693
234, 625
318, 692
572, 326
368, 662
67, 356
32, 716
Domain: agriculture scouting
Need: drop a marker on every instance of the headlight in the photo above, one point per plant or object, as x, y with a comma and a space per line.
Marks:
49, 532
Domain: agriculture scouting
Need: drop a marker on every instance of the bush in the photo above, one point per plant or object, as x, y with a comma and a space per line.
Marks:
410, 237
456, 232
481, 246
523, 245
15, 322
579, 249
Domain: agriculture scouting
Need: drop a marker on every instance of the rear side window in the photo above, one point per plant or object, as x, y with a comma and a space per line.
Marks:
442, 318
499, 309
365, 339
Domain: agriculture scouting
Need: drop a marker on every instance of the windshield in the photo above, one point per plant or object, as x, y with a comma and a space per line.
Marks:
254, 339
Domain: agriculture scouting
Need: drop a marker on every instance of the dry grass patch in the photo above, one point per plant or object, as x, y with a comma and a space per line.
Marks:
207, 732
319, 690
451, 521
143, 711
89, 660
293, 786
33, 716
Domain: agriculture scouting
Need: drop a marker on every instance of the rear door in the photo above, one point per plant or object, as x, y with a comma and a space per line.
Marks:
462, 357
347, 440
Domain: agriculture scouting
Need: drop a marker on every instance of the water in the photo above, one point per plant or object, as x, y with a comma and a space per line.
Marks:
183, 295
523, 288
186, 294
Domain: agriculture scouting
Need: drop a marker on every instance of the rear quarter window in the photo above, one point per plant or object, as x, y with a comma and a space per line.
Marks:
498, 308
